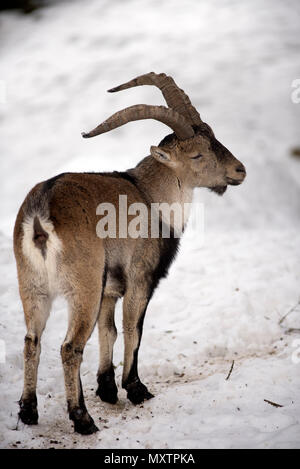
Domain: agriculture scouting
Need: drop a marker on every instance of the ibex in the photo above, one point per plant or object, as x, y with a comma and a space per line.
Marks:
58, 251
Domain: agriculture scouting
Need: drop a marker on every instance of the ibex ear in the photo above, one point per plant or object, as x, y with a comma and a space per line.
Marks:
162, 156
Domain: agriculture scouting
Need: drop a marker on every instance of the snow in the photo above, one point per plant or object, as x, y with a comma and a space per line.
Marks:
225, 295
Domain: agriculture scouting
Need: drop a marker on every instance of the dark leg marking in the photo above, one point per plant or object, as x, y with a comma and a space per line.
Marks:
137, 392
107, 389
83, 422
28, 410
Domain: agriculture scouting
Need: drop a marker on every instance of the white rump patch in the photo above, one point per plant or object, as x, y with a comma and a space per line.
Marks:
46, 268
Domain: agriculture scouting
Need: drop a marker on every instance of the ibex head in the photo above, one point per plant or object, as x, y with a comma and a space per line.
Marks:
192, 151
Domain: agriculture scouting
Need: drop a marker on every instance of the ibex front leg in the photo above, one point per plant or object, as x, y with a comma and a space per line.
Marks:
134, 308
84, 309
107, 389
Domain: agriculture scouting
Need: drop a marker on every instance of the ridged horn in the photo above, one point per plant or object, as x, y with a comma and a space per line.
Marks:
167, 116
174, 96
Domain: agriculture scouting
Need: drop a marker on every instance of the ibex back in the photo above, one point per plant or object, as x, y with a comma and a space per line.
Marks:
59, 253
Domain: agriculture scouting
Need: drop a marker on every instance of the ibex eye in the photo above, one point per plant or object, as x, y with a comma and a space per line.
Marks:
196, 157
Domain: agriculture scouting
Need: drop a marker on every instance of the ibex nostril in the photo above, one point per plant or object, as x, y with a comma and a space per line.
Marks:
240, 169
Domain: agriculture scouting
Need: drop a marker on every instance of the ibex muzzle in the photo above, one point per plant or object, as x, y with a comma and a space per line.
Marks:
58, 252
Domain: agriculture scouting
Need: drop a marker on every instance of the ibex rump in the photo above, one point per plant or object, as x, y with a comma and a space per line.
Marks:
58, 252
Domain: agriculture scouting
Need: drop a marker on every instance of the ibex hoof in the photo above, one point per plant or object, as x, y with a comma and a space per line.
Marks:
28, 412
138, 393
108, 394
107, 389
83, 422
85, 429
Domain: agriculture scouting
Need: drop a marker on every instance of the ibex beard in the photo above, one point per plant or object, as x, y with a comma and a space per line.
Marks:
58, 251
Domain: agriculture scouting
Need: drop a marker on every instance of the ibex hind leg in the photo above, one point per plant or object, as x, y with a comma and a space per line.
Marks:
36, 306
84, 302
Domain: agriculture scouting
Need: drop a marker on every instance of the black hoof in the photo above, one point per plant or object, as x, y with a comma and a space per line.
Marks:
85, 429
28, 412
83, 422
138, 393
107, 389
108, 393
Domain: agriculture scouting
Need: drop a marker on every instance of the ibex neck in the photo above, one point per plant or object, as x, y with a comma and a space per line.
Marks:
160, 182
161, 185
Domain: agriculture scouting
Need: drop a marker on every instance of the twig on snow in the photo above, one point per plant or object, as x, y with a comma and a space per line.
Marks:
17, 426
289, 312
273, 403
230, 371
293, 330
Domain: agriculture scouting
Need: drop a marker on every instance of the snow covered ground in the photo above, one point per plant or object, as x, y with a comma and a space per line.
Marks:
225, 297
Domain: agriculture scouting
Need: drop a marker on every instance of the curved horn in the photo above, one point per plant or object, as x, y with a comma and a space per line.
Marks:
167, 116
174, 96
